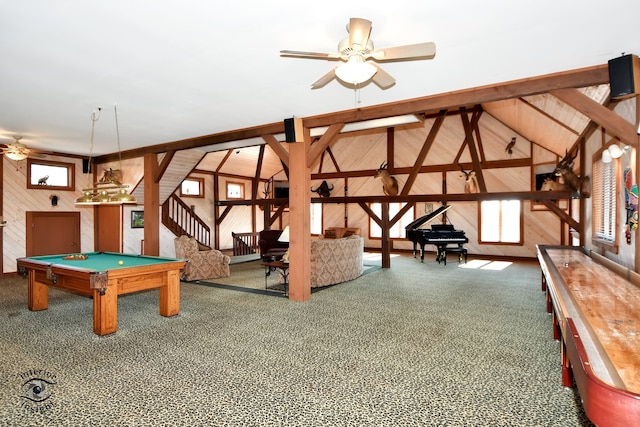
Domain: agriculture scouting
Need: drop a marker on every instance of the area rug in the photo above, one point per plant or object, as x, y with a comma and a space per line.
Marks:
251, 277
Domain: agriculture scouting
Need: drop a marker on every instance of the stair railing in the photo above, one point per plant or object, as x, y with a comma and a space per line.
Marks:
178, 217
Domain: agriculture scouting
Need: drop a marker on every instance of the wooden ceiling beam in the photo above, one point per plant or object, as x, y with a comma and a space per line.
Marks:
166, 160
583, 77
489, 164
277, 148
547, 115
450, 100
318, 147
475, 159
428, 142
417, 198
600, 114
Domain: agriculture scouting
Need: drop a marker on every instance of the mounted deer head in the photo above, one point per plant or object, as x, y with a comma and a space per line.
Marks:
564, 168
389, 183
470, 181
550, 184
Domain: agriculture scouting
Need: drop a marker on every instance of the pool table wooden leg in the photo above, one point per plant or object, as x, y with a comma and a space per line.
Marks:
105, 310
170, 294
38, 293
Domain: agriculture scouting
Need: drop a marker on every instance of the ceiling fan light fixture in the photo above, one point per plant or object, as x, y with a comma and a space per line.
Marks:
356, 70
16, 155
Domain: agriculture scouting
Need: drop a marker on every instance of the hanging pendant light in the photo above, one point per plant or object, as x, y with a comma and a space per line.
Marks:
110, 191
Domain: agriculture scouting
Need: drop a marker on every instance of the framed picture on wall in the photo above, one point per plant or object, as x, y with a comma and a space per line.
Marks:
137, 219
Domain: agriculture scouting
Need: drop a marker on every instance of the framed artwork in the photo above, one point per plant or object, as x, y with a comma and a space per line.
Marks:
137, 219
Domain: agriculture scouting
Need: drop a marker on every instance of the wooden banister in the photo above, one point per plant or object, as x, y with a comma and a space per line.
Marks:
178, 217
245, 243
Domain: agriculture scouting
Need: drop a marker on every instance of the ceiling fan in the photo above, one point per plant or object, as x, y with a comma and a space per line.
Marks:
16, 150
359, 57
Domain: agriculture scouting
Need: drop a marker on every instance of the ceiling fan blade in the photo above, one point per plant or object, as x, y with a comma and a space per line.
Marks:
383, 79
359, 30
311, 55
322, 81
410, 51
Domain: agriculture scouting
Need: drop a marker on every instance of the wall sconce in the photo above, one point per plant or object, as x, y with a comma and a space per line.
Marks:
611, 152
54, 200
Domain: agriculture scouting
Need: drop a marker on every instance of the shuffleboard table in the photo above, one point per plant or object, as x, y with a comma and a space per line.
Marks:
103, 276
596, 315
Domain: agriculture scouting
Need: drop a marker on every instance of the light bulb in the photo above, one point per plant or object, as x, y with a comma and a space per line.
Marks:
355, 70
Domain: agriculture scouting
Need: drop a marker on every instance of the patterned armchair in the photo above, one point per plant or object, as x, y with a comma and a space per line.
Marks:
201, 264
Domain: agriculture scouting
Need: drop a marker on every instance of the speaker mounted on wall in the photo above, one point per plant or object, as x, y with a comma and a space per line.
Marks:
86, 165
624, 76
293, 130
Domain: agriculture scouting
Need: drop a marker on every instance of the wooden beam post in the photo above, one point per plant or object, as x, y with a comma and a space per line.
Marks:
151, 206
300, 219
386, 240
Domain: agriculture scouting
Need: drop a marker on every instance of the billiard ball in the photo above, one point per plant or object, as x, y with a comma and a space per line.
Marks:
120, 262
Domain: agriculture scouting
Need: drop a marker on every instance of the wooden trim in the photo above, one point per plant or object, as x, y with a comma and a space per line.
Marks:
71, 175
200, 181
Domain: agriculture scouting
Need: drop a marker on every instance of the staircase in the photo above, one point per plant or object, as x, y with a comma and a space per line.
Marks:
178, 217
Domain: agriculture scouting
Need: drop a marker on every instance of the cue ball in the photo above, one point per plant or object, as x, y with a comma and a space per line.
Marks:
120, 262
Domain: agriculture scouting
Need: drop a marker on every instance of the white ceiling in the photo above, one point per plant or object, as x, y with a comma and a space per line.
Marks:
181, 69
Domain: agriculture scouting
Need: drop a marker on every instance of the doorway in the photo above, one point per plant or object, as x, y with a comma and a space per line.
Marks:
50, 233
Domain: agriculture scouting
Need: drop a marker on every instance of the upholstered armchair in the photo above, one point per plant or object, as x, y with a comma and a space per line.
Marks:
201, 264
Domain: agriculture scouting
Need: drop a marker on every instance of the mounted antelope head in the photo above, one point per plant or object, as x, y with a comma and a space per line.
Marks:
267, 189
266, 192
470, 181
389, 183
577, 183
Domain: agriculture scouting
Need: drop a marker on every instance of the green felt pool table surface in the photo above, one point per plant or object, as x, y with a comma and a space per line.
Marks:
101, 261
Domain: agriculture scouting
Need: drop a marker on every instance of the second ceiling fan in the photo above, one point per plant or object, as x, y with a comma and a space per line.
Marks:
359, 57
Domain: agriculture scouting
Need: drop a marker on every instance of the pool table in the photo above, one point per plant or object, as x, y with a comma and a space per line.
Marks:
103, 276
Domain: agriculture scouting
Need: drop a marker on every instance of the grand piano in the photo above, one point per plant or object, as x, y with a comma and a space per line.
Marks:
439, 235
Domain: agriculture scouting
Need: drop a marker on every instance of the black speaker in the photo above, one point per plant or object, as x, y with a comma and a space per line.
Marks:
289, 130
86, 166
624, 76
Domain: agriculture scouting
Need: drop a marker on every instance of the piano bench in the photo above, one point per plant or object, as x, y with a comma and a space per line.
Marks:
459, 250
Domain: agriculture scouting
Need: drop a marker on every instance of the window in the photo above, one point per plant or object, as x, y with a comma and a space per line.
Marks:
44, 174
604, 193
192, 187
501, 222
235, 190
316, 218
397, 231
